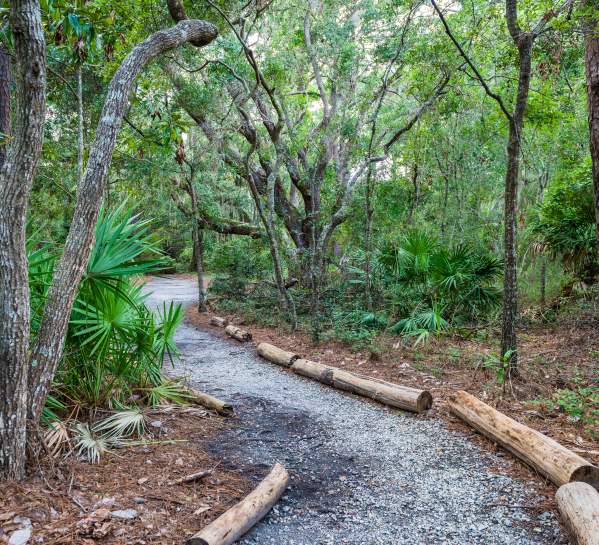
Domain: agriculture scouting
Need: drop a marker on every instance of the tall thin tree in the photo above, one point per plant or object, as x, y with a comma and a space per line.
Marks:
523, 41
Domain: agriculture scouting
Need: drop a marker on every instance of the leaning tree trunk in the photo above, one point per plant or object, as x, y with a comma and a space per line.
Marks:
16, 178
71, 267
509, 341
591, 58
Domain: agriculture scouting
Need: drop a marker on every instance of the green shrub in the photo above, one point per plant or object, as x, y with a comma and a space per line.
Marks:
431, 286
240, 257
565, 225
115, 345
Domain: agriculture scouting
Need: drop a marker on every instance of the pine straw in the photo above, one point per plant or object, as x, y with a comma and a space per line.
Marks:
61, 497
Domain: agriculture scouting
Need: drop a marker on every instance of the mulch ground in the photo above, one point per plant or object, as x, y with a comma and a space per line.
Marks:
70, 501
551, 357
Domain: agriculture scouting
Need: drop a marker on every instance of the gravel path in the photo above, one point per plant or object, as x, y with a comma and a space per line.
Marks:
362, 474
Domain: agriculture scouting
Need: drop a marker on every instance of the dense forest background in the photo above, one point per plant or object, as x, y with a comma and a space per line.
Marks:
361, 171
414, 236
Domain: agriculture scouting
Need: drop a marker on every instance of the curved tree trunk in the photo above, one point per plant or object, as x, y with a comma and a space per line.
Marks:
50, 341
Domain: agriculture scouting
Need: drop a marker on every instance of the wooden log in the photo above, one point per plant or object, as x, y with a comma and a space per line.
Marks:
276, 355
402, 397
311, 369
210, 402
237, 333
218, 321
579, 505
394, 395
542, 453
190, 478
235, 522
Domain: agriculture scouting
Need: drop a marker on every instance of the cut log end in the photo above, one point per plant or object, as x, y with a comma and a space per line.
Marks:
276, 355
587, 474
424, 401
578, 504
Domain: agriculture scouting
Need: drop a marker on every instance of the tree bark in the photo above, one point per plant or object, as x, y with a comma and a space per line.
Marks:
394, 395
237, 333
276, 354
198, 245
71, 267
4, 100
210, 402
219, 322
16, 178
591, 61
80, 142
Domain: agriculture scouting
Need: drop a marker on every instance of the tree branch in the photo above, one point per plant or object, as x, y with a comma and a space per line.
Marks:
478, 75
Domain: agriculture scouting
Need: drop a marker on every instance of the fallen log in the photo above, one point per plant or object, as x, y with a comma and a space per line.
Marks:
190, 478
235, 522
237, 333
579, 505
276, 355
210, 402
394, 395
542, 453
218, 321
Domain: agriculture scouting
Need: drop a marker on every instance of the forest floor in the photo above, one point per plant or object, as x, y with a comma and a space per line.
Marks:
555, 394
126, 498
361, 473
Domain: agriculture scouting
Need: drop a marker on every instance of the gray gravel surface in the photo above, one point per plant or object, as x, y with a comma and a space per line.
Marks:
362, 474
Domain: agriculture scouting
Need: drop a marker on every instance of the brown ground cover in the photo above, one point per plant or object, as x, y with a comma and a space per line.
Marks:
70, 501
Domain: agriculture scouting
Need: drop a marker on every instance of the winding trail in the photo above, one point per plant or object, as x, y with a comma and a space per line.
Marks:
362, 474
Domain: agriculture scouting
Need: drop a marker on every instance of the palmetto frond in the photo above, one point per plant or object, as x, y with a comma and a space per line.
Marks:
121, 424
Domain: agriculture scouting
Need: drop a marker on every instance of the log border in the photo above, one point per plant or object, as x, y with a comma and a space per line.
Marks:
585, 477
209, 402
240, 518
545, 455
